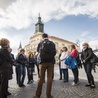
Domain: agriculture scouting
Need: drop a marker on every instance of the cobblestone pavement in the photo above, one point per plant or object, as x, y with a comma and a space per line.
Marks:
59, 88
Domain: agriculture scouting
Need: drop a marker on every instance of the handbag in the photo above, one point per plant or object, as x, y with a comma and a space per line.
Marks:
94, 59
71, 62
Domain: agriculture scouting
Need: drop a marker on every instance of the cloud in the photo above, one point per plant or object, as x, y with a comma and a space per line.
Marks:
85, 33
15, 39
94, 44
91, 40
14, 42
22, 13
5, 3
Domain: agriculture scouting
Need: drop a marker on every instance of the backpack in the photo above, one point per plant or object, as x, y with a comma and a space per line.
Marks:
47, 50
1, 60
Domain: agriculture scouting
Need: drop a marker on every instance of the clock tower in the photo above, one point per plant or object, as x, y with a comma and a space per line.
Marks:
39, 26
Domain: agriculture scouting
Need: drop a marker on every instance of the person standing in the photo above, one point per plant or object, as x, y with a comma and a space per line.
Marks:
86, 57
37, 62
30, 67
74, 54
64, 67
47, 52
17, 68
4, 67
22, 61
10, 72
60, 70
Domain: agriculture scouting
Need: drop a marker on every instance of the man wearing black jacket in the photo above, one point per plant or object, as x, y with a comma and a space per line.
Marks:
47, 63
4, 67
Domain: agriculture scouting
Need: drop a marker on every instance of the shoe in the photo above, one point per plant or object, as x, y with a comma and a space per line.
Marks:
73, 83
50, 97
32, 81
60, 79
65, 81
28, 82
36, 97
22, 85
8, 93
88, 85
93, 86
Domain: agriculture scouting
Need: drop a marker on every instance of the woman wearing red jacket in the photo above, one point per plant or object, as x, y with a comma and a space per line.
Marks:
74, 54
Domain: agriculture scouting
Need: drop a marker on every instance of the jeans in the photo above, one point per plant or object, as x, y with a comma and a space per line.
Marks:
21, 75
60, 70
65, 72
50, 68
76, 74
17, 73
30, 73
88, 70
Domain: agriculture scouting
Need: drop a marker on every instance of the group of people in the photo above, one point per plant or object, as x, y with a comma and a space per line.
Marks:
44, 60
75, 60
21, 63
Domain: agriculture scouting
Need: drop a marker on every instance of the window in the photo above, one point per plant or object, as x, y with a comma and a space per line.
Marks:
56, 43
63, 44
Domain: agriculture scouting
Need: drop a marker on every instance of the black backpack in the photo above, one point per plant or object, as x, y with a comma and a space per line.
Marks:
1, 59
47, 50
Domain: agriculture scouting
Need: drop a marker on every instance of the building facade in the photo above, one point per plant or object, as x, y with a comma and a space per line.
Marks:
37, 38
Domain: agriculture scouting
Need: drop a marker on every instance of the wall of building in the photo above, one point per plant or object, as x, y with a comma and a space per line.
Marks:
36, 38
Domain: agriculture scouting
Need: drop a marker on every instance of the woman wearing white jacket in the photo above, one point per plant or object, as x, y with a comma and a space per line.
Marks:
64, 67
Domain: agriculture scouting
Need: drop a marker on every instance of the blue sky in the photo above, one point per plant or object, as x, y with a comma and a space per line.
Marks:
72, 27
68, 19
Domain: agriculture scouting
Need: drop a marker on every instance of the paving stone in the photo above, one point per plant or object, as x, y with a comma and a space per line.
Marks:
59, 88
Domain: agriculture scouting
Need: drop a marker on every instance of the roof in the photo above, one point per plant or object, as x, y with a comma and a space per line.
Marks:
62, 39
20, 46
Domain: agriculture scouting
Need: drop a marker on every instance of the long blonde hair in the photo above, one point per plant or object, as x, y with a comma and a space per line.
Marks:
86, 44
29, 54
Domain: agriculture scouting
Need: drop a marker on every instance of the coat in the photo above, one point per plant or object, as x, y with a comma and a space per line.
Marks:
63, 56
87, 55
6, 57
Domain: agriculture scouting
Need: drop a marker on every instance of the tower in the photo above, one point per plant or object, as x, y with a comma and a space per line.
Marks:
20, 47
39, 26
